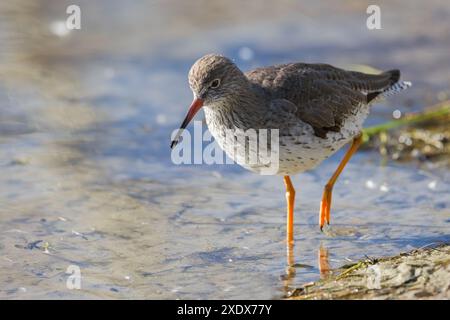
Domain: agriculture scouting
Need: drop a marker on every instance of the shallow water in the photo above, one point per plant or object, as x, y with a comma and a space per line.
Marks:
87, 180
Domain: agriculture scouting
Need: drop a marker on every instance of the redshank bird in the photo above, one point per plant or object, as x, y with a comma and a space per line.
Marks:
317, 109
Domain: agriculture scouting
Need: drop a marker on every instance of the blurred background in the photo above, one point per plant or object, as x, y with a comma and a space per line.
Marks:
86, 177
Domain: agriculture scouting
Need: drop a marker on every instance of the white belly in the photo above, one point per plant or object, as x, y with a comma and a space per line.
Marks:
298, 152
306, 151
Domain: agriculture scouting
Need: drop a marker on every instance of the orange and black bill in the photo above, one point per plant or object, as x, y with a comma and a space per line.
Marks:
193, 109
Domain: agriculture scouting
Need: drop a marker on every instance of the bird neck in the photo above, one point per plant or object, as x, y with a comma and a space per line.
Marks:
243, 110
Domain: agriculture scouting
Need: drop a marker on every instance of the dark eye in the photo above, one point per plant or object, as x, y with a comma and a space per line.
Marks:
215, 83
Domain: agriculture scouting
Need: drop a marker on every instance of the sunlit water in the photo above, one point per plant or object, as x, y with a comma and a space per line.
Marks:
86, 174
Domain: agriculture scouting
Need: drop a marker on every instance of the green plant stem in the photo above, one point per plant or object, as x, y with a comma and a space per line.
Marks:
437, 111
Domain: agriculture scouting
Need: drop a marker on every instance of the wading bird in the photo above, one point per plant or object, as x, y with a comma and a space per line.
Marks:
317, 109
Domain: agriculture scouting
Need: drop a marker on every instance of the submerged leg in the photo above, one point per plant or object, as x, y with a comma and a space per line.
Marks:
325, 205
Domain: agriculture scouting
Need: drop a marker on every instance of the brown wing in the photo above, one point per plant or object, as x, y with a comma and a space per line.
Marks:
324, 95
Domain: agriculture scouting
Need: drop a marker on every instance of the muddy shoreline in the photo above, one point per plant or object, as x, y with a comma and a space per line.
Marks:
419, 274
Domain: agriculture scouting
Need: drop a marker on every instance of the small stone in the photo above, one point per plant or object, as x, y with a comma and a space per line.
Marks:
405, 273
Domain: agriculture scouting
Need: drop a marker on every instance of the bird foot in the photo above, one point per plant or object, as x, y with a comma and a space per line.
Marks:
325, 208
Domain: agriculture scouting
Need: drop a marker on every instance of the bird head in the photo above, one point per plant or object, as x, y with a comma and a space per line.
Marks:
213, 79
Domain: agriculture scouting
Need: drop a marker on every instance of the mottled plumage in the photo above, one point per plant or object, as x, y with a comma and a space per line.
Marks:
315, 108
324, 95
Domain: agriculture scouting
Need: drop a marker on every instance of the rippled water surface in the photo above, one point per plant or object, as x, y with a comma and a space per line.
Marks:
86, 174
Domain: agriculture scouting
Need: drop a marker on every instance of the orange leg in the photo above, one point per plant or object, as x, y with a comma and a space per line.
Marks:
290, 197
325, 205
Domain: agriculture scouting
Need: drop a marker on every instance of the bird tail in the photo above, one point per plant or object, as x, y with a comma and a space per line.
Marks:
394, 87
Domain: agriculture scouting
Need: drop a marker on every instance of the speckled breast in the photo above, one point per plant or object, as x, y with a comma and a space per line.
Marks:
297, 149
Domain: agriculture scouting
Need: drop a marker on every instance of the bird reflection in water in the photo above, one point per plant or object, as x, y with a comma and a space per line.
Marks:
289, 276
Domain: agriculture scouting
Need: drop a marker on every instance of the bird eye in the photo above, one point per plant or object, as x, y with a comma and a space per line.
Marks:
215, 83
